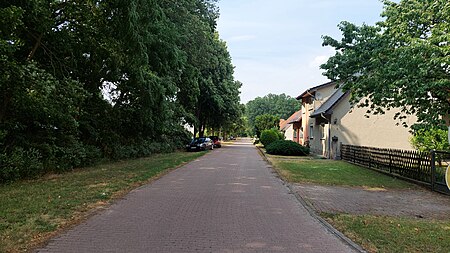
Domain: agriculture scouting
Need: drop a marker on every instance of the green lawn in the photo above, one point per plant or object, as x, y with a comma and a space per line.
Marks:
390, 234
32, 211
331, 172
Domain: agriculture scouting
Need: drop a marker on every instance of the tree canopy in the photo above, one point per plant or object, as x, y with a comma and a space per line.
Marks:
280, 106
401, 62
82, 80
266, 122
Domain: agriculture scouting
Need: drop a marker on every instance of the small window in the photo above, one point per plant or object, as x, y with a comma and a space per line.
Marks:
300, 132
311, 132
295, 133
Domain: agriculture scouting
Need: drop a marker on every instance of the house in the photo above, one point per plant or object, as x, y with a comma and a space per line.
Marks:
328, 120
292, 127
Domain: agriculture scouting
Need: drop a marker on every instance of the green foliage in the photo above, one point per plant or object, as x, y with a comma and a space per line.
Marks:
281, 106
401, 62
265, 122
82, 82
20, 163
281, 135
287, 148
429, 139
269, 136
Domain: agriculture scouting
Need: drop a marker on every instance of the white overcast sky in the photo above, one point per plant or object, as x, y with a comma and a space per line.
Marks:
276, 46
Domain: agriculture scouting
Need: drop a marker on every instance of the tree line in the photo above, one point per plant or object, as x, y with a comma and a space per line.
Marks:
86, 80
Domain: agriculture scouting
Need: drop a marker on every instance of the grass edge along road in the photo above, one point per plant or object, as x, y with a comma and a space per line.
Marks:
33, 211
393, 234
373, 233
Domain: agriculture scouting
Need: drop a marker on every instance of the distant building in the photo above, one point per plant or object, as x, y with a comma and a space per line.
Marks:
292, 127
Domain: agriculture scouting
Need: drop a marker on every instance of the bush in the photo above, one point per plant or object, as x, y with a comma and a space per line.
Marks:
20, 163
428, 139
281, 135
269, 136
288, 148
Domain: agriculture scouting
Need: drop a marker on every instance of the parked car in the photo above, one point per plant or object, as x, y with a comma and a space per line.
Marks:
202, 143
232, 138
216, 141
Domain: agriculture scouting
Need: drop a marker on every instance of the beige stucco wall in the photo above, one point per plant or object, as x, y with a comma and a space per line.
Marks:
325, 93
353, 127
289, 132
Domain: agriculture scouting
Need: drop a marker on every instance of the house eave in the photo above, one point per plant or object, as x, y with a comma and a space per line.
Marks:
309, 92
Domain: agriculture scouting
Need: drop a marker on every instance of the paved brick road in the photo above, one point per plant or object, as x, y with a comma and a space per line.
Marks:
226, 201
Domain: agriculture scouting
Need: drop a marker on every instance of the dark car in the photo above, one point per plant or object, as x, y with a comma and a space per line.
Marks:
202, 143
216, 141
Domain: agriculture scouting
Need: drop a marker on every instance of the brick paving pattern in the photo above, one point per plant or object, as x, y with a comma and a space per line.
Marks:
418, 203
227, 201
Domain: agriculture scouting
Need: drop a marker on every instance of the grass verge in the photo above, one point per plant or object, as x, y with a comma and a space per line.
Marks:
331, 172
33, 211
392, 234
378, 234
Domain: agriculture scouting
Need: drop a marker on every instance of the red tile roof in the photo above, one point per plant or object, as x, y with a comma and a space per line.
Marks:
295, 117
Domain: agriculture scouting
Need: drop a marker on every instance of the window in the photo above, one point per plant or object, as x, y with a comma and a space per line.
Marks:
295, 133
311, 132
300, 132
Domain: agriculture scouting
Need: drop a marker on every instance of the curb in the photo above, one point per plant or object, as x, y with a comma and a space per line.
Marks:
313, 213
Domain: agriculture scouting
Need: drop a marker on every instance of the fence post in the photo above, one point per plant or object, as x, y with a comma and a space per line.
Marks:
390, 161
433, 168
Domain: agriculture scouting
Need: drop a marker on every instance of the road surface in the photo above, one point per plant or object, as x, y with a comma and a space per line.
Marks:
226, 201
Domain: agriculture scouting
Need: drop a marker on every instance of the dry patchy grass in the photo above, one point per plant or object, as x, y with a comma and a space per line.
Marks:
33, 211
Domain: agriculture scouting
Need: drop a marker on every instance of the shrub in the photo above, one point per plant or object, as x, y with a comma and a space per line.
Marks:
428, 139
20, 163
288, 148
281, 135
268, 136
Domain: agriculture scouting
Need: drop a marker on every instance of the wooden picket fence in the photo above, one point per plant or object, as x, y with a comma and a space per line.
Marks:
408, 164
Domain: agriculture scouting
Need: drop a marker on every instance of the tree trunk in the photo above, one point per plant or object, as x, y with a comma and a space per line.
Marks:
202, 130
36, 46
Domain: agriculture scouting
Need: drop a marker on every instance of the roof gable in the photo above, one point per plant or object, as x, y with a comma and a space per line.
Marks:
295, 117
327, 106
314, 89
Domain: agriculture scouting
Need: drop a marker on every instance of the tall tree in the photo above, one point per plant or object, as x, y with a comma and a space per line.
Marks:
402, 62
266, 122
84, 79
281, 106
